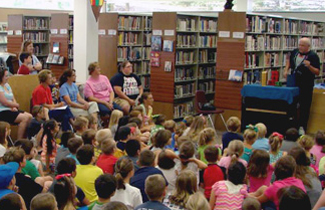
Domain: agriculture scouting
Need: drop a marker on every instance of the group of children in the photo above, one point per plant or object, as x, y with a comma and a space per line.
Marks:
162, 165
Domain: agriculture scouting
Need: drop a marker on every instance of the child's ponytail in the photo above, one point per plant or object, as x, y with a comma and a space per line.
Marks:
206, 136
123, 167
275, 141
235, 150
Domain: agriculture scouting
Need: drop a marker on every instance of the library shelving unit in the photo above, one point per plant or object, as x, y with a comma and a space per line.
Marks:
193, 61
60, 26
269, 41
70, 50
125, 37
3, 36
35, 28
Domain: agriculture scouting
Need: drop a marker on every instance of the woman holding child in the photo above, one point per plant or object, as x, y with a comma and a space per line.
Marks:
35, 65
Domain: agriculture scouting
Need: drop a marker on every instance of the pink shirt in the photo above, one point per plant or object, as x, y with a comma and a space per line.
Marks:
256, 183
317, 151
225, 162
271, 191
99, 88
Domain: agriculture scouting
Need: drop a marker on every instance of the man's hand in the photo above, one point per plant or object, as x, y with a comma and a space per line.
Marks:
307, 63
109, 105
285, 74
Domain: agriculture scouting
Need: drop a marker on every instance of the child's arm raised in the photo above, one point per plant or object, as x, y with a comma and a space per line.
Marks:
199, 163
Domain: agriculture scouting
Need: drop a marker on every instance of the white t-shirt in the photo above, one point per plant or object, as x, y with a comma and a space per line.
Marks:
131, 196
190, 166
171, 177
2, 150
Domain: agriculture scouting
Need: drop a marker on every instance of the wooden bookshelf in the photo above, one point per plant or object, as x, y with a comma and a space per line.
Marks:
125, 37
60, 33
35, 28
193, 62
3, 36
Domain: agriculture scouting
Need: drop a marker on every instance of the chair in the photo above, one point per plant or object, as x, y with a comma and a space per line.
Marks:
200, 100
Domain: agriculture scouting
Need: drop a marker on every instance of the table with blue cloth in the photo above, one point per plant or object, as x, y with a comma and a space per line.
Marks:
276, 107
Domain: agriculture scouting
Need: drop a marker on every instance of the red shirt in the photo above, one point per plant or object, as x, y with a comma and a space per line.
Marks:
42, 95
23, 70
106, 163
211, 175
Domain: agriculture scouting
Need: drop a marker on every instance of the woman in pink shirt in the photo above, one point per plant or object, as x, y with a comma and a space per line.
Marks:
99, 89
319, 148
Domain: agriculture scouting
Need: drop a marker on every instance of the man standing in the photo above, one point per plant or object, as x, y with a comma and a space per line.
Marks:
304, 64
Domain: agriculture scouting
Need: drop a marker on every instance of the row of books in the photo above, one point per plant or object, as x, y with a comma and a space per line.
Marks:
285, 58
146, 52
36, 23
145, 81
186, 24
147, 38
308, 28
207, 87
38, 49
265, 77
208, 41
185, 57
71, 37
4, 27
147, 23
186, 40
207, 72
317, 43
36, 36
290, 42
3, 39
206, 56
70, 64
181, 110
3, 48
143, 68
70, 51
185, 90
129, 23
252, 60
290, 26
255, 42
71, 22
208, 25
272, 25
128, 38
271, 59
182, 74
127, 53
273, 42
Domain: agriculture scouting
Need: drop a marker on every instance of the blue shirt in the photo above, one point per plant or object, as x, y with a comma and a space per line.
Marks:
8, 95
70, 90
139, 178
4, 192
73, 157
228, 137
172, 145
262, 144
152, 205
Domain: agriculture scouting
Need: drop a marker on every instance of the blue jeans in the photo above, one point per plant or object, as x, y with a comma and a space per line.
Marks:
62, 116
104, 110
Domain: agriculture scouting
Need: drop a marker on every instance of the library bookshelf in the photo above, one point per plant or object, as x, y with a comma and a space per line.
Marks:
193, 61
3, 36
34, 28
125, 37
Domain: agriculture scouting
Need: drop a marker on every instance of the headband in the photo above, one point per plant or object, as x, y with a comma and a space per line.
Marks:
278, 135
252, 127
58, 177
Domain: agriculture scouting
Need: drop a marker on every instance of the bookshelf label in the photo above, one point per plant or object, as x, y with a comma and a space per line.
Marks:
18, 32
54, 31
112, 32
238, 35
157, 32
10, 32
169, 32
101, 32
224, 34
63, 31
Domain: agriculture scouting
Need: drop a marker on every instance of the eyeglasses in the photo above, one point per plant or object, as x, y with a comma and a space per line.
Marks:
40, 109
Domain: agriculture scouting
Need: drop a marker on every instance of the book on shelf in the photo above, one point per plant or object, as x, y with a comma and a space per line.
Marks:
147, 38
147, 23
208, 25
70, 37
290, 26
70, 51
35, 36
271, 59
290, 42
186, 40
186, 24
145, 81
255, 24
37, 49
54, 59
252, 60
168, 46
206, 56
156, 43
255, 42
182, 74
317, 43
273, 42
285, 58
306, 27
146, 53
129, 23
129, 53
71, 22
208, 41
207, 87
207, 72
128, 38
35, 23
3, 39
168, 66
235, 75
185, 90
181, 110
185, 57
273, 25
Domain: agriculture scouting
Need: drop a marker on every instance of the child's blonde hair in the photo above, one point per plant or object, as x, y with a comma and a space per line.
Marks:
250, 134
161, 138
262, 130
186, 185
170, 125
197, 201
107, 146
155, 186
43, 201
206, 136
187, 121
235, 150
115, 117
306, 142
275, 141
103, 134
233, 124
251, 204
80, 122
196, 127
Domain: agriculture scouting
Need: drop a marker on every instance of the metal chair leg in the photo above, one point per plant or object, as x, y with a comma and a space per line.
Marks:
224, 122
10, 140
212, 124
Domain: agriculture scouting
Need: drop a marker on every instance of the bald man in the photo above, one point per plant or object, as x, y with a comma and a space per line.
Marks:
304, 64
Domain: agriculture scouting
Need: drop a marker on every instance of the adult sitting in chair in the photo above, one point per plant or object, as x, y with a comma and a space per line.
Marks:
42, 96
9, 107
99, 89
69, 94
127, 87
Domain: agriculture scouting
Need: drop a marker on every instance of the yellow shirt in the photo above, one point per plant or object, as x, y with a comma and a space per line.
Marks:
119, 153
85, 179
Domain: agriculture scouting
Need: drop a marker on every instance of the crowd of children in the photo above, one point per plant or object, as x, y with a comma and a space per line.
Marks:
143, 161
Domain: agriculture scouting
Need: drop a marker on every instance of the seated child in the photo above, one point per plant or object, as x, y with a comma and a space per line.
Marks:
113, 121
307, 142
26, 59
44, 201
159, 124
12, 201
184, 125
275, 141
231, 193
197, 201
207, 137
155, 188
107, 160
251, 204
105, 186
261, 142
80, 125
123, 134
133, 149
92, 122
233, 125
166, 165
235, 151
213, 173
87, 173
250, 136
63, 151
100, 136
146, 163
7, 177
35, 124
290, 141
171, 126
160, 141
293, 198
73, 145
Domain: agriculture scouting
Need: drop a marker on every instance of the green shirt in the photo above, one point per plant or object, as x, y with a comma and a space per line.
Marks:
95, 206
201, 152
30, 170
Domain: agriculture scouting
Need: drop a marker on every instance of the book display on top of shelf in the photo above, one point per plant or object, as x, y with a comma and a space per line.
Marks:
55, 59
3, 36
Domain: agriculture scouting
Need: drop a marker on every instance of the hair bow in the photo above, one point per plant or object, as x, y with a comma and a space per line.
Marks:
252, 127
278, 135
60, 176
184, 121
